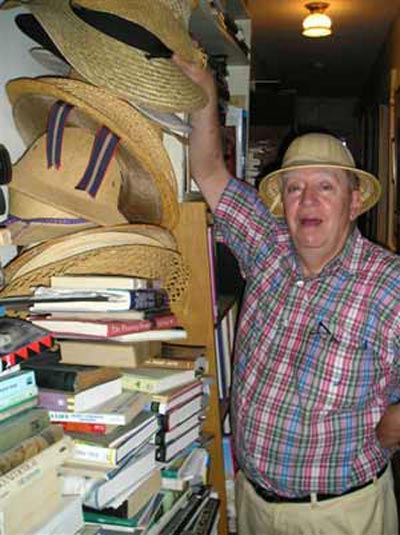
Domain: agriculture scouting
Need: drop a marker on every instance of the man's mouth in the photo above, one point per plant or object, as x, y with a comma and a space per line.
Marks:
310, 221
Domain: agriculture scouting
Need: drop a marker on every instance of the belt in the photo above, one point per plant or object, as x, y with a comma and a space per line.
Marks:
277, 498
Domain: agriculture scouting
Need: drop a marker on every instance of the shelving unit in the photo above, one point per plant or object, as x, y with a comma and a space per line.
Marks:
198, 313
196, 316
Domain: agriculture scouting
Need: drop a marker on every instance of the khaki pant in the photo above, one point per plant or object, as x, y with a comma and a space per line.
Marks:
369, 511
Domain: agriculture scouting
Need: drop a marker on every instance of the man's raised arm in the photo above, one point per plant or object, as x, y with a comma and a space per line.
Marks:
207, 166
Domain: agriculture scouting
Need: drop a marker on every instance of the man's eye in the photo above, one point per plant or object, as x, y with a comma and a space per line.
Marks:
326, 186
293, 188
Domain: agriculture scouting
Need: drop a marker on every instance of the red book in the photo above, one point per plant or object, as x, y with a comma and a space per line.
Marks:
75, 427
165, 321
103, 328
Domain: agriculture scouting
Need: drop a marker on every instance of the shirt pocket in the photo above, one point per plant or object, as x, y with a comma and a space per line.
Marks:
337, 371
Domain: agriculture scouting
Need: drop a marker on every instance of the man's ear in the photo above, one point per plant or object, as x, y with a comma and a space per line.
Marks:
355, 204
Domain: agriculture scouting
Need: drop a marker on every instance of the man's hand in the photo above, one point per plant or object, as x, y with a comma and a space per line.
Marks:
207, 165
388, 429
199, 75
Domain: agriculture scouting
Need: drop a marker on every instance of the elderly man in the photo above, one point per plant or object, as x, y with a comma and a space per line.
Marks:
316, 369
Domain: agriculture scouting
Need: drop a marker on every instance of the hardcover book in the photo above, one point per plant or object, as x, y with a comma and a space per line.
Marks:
30, 447
107, 353
103, 328
58, 299
97, 282
166, 452
22, 426
154, 380
51, 373
137, 497
113, 447
99, 493
80, 401
119, 410
169, 399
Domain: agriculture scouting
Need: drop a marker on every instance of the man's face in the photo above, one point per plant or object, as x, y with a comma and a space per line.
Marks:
319, 208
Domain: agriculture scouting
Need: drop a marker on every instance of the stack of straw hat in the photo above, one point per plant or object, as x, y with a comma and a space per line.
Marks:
95, 191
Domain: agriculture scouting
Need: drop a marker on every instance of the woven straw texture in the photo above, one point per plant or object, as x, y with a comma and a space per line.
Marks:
270, 189
123, 260
157, 83
148, 192
61, 248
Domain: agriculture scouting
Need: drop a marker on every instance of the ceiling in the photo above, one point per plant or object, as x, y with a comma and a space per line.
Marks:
334, 66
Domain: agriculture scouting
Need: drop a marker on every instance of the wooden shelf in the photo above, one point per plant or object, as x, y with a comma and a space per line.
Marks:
213, 37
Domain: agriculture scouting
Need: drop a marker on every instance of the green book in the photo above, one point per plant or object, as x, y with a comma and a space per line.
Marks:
22, 426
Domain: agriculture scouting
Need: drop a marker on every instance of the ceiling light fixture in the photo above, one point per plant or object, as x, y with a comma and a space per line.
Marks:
317, 24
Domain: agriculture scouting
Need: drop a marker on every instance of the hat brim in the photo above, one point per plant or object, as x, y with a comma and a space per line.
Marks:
157, 83
121, 260
140, 138
270, 187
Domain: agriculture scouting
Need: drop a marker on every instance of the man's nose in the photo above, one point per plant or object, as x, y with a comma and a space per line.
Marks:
309, 195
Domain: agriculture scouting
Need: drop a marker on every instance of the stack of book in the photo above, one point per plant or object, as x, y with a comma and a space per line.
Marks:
31, 450
178, 401
119, 309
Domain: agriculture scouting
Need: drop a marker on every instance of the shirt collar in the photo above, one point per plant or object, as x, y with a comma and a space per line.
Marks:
349, 260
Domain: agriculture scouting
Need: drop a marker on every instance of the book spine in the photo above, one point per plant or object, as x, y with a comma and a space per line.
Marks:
166, 452
30, 447
34, 468
18, 398
27, 425
118, 328
18, 408
55, 379
178, 364
148, 298
98, 454
73, 427
130, 382
87, 418
164, 322
51, 399
13, 384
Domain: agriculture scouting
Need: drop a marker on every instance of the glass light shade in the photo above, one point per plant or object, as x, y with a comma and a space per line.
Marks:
317, 25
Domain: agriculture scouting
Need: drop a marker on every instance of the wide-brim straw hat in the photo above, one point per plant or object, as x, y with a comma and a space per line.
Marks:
108, 62
312, 151
148, 186
31, 221
126, 250
50, 57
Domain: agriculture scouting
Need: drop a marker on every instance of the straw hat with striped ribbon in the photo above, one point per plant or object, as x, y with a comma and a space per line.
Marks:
129, 250
317, 150
126, 46
148, 183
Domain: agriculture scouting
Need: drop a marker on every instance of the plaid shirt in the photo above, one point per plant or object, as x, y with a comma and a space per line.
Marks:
317, 359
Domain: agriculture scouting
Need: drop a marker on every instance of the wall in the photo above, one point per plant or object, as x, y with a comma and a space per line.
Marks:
15, 61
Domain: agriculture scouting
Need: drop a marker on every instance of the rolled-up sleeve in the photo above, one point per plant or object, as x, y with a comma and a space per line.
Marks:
243, 222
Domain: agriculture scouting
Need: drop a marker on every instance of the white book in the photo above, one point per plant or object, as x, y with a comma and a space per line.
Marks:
153, 335
97, 282
67, 519
98, 494
119, 410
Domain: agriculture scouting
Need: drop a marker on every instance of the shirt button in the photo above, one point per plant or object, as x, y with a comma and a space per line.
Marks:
300, 284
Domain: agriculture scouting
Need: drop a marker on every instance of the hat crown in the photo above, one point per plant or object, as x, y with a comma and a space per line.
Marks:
317, 149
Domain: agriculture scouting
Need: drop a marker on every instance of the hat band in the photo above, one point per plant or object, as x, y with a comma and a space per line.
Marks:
123, 30
103, 149
31, 27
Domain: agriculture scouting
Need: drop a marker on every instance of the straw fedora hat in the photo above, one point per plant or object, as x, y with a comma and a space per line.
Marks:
50, 57
31, 221
148, 186
129, 250
107, 42
317, 150
58, 185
